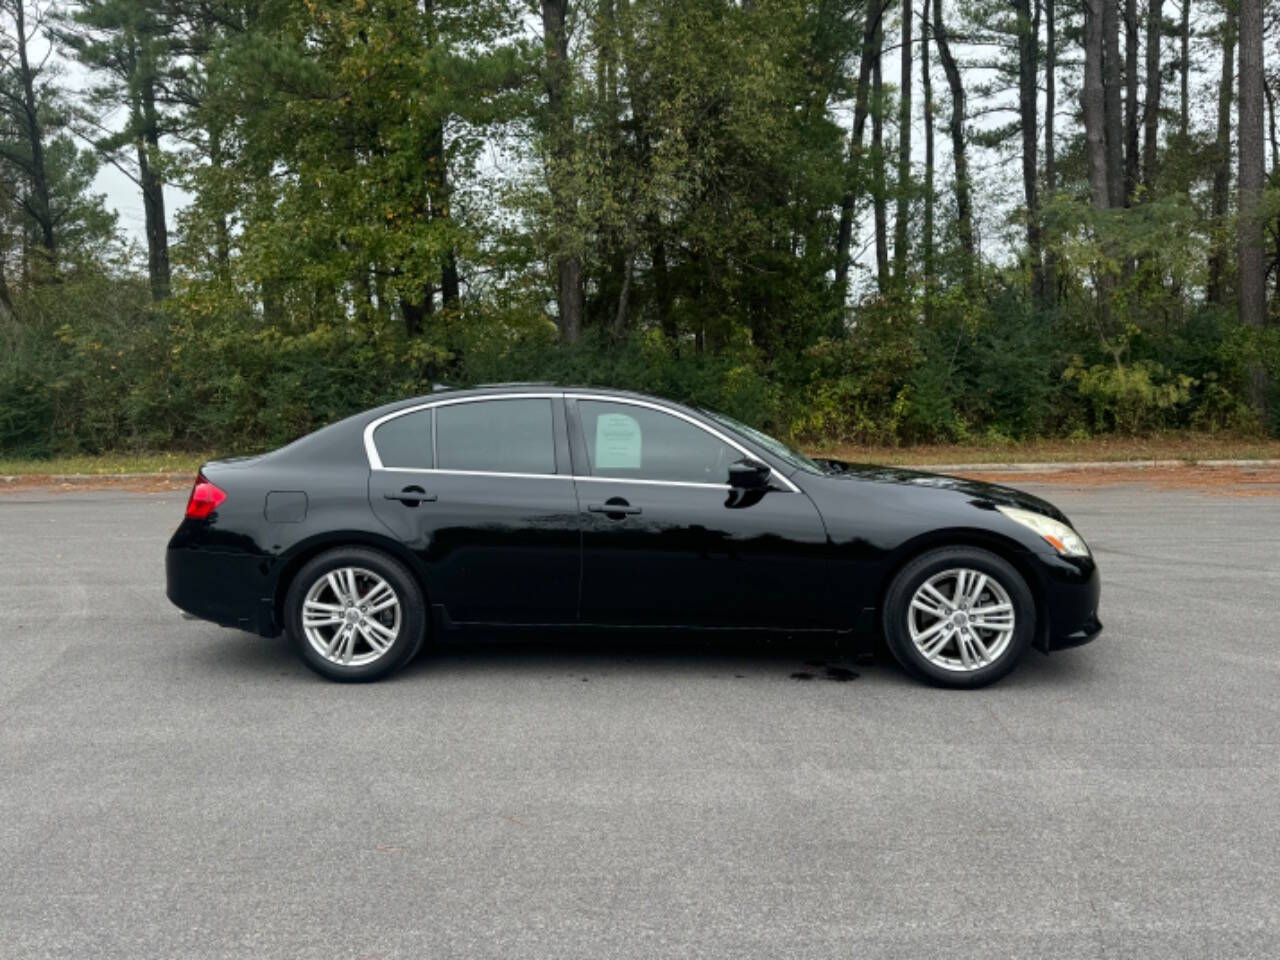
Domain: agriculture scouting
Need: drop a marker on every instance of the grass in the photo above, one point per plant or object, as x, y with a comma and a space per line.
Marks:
105, 464
1189, 447
1185, 446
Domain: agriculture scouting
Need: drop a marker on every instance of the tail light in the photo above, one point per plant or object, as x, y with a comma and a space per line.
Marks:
205, 498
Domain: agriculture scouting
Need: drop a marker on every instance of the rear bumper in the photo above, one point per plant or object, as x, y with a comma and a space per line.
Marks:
229, 589
1071, 588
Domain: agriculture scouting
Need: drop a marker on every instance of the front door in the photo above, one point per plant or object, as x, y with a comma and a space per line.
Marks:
481, 491
666, 540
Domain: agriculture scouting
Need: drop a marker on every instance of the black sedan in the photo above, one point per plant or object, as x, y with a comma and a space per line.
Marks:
528, 505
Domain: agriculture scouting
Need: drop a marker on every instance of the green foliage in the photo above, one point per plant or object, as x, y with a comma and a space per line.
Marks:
384, 194
1132, 398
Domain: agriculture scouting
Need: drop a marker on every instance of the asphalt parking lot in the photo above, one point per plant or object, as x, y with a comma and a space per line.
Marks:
172, 789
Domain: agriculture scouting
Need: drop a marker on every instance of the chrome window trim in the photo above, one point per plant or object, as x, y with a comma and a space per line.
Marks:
375, 460
553, 476
475, 473
629, 401
658, 483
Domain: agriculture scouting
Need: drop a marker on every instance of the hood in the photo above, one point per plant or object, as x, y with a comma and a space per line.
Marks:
993, 493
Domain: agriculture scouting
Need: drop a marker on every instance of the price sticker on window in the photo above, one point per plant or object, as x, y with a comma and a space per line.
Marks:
617, 442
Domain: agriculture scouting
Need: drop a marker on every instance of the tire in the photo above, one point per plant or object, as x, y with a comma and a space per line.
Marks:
947, 647
360, 646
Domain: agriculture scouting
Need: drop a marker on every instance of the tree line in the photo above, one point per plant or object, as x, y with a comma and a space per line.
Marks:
741, 203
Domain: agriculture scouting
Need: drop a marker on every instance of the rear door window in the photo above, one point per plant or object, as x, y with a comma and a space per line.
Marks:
405, 441
496, 436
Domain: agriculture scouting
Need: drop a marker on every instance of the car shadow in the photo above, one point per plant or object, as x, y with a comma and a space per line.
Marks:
587, 656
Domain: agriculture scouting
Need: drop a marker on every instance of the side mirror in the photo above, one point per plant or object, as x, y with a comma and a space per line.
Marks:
748, 474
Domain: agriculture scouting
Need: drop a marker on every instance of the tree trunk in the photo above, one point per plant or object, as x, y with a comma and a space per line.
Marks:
872, 35
1184, 73
1112, 82
33, 130
1050, 150
1028, 49
221, 231
1131, 122
1217, 286
663, 296
1252, 271
566, 261
1094, 105
959, 146
927, 81
624, 300
152, 186
1151, 144
901, 242
878, 190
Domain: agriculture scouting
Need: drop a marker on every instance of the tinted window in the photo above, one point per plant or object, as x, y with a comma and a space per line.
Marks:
405, 441
500, 436
644, 444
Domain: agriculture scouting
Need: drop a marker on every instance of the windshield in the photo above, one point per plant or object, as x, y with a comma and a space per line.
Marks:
774, 446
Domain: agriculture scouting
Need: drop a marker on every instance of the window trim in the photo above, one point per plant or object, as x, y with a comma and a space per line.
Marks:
375, 461
729, 441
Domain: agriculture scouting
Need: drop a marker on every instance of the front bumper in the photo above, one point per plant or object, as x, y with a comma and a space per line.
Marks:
1070, 590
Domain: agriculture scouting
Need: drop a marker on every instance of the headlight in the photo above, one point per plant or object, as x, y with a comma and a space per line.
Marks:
1058, 535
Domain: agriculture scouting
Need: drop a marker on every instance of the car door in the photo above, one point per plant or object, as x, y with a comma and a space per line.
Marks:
667, 541
481, 490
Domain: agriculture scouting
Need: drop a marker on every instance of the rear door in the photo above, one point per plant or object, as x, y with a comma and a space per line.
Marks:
481, 490
667, 541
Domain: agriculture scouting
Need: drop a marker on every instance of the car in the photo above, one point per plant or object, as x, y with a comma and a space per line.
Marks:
528, 505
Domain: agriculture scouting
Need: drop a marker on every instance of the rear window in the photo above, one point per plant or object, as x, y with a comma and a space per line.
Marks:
496, 436
405, 441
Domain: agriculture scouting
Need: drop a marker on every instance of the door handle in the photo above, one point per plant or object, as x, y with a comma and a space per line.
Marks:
412, 496
614, 508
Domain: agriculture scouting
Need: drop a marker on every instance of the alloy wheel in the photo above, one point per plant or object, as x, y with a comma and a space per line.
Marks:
351, 616
961, 620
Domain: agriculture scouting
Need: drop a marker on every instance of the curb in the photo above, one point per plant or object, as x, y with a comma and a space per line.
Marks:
75, 479
1093, 465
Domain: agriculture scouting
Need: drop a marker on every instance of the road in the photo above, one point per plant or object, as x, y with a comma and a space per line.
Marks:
171, 789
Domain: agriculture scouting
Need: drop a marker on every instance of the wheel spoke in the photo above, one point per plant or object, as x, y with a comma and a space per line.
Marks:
385, 633
337, 586
933, 650
975, 590
324, 621
378, 645
925, 606
332, 646
937, 595
925, 634
993, 609
376, 593
970, 654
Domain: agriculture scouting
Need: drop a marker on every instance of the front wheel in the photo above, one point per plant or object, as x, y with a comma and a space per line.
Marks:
959, 617
355, 614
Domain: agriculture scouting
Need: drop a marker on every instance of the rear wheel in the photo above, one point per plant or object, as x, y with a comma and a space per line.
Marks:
959, 617
355, 614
